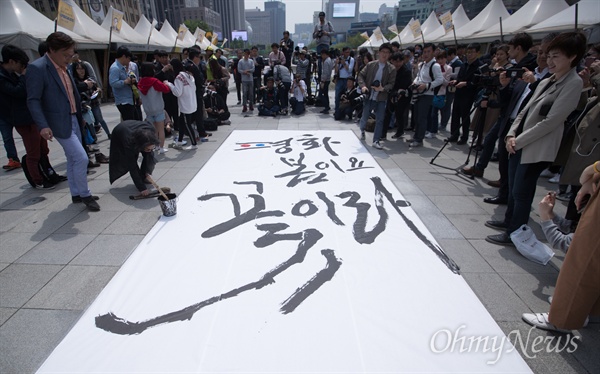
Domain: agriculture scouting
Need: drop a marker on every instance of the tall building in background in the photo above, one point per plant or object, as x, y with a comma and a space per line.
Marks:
95, 9
277, 11
341, 14
148, 9
232, 15
261, 26
202, 13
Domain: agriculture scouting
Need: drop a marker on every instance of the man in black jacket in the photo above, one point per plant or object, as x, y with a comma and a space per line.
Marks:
347, 98
466, 90
399, 99
259, 65
193, 62
128, 140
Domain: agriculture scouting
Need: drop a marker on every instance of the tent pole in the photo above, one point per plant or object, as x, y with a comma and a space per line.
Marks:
576, 15
501, 33
423, 37
454, 32
106, 57
55, 24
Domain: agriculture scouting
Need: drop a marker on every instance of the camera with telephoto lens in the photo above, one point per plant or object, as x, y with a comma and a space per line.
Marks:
320, 33
210, 93
397, 95
376, 83
360, 99
484, 78
281, 86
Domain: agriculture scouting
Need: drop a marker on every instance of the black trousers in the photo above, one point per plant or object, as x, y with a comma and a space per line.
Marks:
128, 112
461, 115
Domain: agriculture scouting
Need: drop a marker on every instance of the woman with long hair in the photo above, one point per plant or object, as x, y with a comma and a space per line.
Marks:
220, 78
80, 75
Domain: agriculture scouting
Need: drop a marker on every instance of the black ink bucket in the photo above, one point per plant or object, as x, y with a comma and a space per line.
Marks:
169, 207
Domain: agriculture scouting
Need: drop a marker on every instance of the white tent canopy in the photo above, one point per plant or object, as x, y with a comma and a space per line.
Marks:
459, 19
487, 18
405, 34
144, 27
589, 15
430, 25
533, 12
87, 27
16, 19
373, 41
126, 31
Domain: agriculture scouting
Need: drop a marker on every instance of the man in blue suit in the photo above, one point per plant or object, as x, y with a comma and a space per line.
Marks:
55, 106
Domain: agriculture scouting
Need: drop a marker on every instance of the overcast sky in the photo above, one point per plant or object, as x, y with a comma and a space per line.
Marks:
301, 11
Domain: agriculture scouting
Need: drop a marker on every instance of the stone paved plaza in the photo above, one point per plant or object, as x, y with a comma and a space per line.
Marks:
56, 257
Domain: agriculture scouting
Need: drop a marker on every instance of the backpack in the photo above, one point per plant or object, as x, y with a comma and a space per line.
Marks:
437, 89
48, 173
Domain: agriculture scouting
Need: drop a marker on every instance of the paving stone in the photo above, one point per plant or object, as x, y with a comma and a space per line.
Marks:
497, 297
57, 249
3, 265
74, 288
472, 226
108, 250
14, 245
439, 188
533, 289
19, 282
456, 205
132, 223
6, 313
10, 218
44, 222
30, 335
84, 223
463, 253
507, 259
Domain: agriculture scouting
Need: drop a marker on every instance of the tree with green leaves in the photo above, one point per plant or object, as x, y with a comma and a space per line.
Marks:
193, 24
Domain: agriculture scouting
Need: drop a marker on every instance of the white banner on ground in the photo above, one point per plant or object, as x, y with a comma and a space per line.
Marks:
291, 252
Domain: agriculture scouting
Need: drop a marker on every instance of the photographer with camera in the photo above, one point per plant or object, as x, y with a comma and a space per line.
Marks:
259, 65
121, 84
216, 110
344, 67
377, 79
322, 35
466, 90
427, 84
299, 91
283, 79
287, 47
327, 69
399, 98
350, 101
269, 95
303, 69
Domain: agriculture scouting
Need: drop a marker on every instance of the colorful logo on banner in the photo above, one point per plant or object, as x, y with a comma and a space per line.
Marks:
117, 20
415, 27
66, 16
446, 20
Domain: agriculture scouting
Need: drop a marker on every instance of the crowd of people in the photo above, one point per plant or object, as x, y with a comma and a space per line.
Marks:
540, 111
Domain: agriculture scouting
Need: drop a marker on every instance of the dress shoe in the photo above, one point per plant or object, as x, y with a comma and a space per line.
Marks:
461, 142
92, 164
452, 139
494, 183
497, 200
396, 136
472, 170
500, 239
494, 157
101, 158
77, 199
91, 203
499, 225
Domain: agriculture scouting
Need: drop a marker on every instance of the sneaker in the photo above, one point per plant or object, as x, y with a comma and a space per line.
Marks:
564, 196
555, 178
163, 150
415, 144
91, 203
226, 122
461, 142
177, 144
44, 186
540, 320
429, 135
377, 145
362, 136
547, 174
12, 165
191, 147
204, 140
251, 107
397, 136
244, 109
239, 102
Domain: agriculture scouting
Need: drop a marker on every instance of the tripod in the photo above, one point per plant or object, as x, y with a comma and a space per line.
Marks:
476, 141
